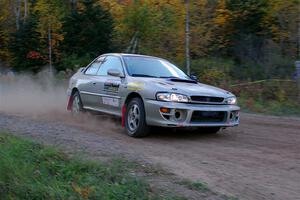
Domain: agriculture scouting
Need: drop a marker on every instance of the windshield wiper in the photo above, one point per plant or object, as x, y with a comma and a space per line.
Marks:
177, 78
169, 77
143, 75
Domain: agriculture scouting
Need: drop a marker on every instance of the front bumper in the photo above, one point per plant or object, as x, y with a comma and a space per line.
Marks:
155, 117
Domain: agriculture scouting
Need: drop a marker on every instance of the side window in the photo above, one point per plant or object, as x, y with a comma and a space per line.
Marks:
111, 62
94, 67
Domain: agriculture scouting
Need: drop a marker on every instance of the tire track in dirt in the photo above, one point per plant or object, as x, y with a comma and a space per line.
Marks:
260, 159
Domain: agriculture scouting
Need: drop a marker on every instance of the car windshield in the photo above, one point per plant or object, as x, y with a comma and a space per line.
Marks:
140, 66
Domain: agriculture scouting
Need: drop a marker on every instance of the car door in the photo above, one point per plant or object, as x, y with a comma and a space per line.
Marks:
88, 86
110, 85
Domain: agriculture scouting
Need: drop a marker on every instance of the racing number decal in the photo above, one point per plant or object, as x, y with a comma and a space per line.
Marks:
110, 101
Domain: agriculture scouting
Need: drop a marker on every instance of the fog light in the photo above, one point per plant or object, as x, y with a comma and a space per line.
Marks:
234, 115
177, 115
164, 110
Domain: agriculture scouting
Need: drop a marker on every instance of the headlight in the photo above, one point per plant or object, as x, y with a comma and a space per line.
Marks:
172, 97
231, 100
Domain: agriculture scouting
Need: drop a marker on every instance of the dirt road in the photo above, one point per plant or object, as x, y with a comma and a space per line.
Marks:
260, 159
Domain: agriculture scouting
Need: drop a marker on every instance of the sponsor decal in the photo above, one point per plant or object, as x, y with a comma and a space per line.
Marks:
111, 87
110, 101
136, 86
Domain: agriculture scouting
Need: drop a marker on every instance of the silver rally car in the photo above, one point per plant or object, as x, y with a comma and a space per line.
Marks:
149, 91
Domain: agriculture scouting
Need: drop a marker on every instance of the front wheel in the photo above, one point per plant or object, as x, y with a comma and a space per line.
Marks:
135, 119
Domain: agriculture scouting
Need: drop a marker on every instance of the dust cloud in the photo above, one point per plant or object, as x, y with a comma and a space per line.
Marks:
32, 94
43, 96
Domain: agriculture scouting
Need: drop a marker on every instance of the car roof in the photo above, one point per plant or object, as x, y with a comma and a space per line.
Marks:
129, 54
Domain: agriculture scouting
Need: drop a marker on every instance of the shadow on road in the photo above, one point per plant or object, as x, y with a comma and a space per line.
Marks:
182, 133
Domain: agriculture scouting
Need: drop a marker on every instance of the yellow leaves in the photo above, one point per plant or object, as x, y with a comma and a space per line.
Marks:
115, 8
4, 12
223, 15
83, 192
281, 21
221, 19
50, 15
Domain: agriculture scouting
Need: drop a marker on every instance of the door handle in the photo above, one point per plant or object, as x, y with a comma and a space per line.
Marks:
94, 83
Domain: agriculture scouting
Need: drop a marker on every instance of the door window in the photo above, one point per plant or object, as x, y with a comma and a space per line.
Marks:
94, 67
110, 62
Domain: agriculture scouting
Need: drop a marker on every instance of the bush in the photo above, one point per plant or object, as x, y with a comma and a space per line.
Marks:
271, 67
215, 71
273, 96
248, 71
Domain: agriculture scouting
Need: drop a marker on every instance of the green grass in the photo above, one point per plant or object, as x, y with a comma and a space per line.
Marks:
32, 171
285, 108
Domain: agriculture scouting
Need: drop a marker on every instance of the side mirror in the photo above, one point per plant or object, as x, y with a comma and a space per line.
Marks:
115, 72
194, 77
81, 69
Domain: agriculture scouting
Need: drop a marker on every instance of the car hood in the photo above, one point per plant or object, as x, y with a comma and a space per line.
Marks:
190, 88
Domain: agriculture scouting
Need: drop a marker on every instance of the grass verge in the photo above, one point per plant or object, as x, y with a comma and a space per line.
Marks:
286, 108
31, 171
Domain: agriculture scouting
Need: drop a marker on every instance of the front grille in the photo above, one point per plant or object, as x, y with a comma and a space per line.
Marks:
207, 99
209, 116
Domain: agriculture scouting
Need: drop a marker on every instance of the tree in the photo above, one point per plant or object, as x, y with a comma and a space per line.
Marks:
187, 37
239, 28
25, 47
50, 15
222, 28
158, 25
282, 24
4, 38
88, 31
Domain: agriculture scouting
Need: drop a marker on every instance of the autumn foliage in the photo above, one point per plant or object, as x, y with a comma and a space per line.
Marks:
252, 39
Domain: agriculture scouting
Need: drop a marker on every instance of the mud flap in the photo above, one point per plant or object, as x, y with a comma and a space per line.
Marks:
123, 115
70, 103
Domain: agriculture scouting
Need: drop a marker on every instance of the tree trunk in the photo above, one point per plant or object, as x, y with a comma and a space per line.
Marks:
50, 51
25, 9
132, 44
135, 45
17, 13
74, 6
187, 37
298, 62
299, 32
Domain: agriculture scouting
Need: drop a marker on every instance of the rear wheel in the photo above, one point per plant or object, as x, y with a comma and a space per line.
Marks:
135, 119
209, 130
77, 107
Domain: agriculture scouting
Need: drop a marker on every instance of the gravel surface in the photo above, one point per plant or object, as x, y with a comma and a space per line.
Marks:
260, 159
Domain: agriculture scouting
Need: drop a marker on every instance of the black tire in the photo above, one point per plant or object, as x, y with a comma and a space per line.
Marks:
135, 119
209, 130
77, 106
